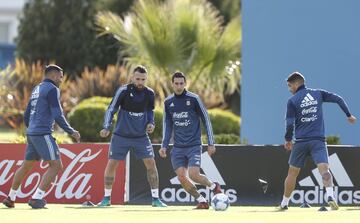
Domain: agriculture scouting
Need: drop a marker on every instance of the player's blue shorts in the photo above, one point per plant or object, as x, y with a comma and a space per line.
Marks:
314, 148
185, 157
120, 146
41, 147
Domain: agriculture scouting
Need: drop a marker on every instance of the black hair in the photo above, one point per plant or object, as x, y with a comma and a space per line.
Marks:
52, 67
141, 69
178, 75
296, 77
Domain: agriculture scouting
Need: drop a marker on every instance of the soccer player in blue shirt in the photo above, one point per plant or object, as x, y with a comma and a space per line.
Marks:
182, 113
42, 110
304, 116
135, 121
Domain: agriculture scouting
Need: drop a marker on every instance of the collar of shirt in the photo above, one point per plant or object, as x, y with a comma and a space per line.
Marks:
301, 87
180, 95
48, 80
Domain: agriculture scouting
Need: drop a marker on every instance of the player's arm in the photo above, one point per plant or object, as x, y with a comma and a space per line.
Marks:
113, 108
167, 131
27, 114
202, 112
150, 125
53, 98
289, 124
334, 98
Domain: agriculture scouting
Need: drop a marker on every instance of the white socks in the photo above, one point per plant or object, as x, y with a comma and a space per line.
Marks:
155, 193
39, 194
212, 187
201, 199
12, 194
107, 192
285, 201
329, 192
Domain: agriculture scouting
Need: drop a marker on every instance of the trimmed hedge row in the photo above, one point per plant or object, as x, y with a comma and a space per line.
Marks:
87, 117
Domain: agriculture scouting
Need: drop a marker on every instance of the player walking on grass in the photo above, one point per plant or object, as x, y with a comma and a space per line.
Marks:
304, 113
182, 113
42, 110
134, 121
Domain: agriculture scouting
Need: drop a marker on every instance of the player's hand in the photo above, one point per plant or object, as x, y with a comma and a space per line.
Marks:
150, 128
352, 119
104, 133
211, 150
162, 152
288, 145
76, 136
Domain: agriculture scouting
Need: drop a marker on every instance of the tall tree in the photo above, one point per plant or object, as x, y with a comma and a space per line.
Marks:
64, 31
185, 35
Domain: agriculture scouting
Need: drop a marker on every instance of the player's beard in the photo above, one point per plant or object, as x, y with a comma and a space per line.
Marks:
139, 86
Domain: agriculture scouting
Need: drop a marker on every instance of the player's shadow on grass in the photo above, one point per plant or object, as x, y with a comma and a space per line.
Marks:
155, 210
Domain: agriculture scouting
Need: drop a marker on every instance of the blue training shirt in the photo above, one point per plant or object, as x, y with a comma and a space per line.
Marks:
136, 111
182, 114
304, 109
43, 109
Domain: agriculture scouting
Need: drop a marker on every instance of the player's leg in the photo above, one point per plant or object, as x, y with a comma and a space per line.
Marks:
48, 150
320, 156
297, 159
117, 151
179, 162
19, 176
153, 179
143, 149
194, 157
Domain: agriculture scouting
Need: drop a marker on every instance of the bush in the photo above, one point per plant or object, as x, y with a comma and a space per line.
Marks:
88, 117
224, 122
333, 140
223, 139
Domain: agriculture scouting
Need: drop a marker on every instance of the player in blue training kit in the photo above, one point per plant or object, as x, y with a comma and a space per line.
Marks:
182, 113
304, 113
42, 110
134, 121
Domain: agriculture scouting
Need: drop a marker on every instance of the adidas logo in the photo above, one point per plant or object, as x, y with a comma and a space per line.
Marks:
209, 168
172, 104
338, 171
308, 100
344, 193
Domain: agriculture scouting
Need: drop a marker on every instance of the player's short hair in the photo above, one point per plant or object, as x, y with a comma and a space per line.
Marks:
296, 77
141, 69
178, 74
52, 67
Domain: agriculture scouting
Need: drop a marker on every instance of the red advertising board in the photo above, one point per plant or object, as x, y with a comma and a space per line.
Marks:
81, 179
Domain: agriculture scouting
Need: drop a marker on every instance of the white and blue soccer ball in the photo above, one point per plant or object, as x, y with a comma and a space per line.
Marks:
220, 202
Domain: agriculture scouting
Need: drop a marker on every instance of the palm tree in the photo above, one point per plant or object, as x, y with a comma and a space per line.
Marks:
180, 35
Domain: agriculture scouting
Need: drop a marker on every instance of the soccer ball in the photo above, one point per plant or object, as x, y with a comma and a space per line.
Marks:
220, 202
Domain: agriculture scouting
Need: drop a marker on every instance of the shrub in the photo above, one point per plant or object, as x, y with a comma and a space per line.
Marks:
59, 137
333, 140
87, 118
223, 139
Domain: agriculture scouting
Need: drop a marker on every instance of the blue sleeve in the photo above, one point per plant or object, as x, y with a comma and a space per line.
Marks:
334, 98
289, 121
53, 98
167, 127
113, 108
27, 114
150, 109
201, 110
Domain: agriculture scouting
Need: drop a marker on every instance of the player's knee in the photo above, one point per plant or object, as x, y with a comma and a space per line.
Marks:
194, 176
182, 178
326, 176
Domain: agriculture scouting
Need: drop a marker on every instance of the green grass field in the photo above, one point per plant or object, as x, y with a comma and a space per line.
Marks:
184, 214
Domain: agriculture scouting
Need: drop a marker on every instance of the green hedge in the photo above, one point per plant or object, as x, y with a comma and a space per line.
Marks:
87, 117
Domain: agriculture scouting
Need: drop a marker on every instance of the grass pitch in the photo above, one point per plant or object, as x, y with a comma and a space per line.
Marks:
184, 214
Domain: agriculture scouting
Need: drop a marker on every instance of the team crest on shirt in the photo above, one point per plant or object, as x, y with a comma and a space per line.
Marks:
188, 103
